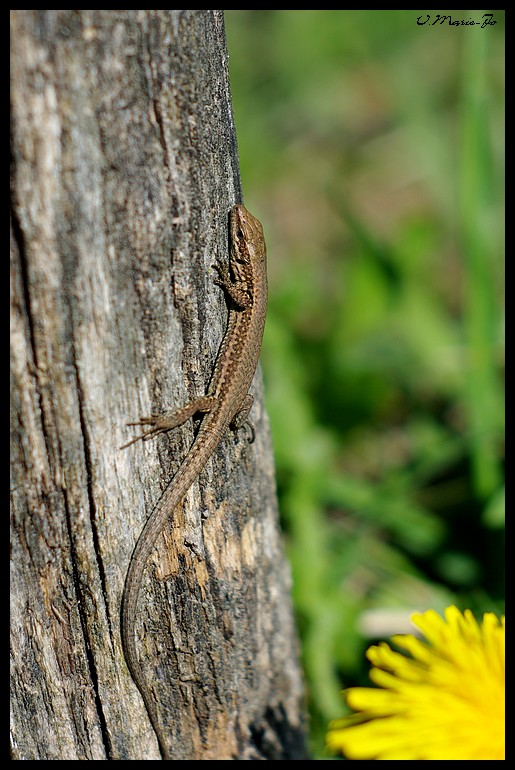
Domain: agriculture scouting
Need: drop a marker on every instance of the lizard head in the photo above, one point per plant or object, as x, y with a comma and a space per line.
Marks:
247, 239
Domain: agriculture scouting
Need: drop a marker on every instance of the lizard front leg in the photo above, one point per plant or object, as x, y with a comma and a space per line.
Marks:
238, 291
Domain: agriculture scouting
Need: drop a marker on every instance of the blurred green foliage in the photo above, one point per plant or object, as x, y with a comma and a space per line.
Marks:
372, 150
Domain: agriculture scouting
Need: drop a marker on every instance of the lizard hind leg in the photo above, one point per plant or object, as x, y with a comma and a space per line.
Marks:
243, 412
241, 417
161, 423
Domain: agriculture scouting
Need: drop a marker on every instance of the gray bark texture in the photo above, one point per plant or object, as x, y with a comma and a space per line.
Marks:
124, 168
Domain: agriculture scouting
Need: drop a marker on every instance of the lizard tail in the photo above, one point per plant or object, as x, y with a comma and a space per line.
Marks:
205, 443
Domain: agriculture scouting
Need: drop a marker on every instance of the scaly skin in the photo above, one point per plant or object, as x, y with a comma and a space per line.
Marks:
227, 402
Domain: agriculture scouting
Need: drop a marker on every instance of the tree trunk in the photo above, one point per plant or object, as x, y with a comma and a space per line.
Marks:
124, 167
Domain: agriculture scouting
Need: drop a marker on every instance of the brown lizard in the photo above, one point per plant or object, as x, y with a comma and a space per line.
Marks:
227, 403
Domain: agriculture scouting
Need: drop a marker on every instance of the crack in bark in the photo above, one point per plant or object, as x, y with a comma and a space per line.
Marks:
90, 659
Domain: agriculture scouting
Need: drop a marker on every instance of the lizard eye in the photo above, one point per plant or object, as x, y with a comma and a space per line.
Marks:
239, 234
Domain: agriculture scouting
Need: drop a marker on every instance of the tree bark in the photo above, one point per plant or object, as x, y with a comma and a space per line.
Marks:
124, 167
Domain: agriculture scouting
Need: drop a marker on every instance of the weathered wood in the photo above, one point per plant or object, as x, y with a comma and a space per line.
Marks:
124, 166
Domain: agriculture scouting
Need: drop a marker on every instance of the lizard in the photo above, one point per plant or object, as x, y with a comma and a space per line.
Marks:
226, 404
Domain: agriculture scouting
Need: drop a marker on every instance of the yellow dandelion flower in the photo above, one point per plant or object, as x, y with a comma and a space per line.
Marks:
445, 701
